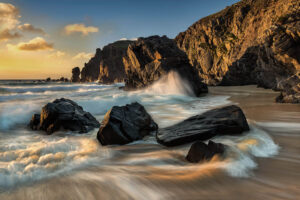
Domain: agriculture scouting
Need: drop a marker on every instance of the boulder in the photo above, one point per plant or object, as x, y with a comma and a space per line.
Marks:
125, 124
200, 151
66, 114
35, 122
148, 59
229, 120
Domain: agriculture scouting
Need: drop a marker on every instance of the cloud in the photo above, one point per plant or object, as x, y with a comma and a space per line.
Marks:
35, 44
31, 28
83, 55
132, 39
9, 16
80, 28
7, 35
57, 54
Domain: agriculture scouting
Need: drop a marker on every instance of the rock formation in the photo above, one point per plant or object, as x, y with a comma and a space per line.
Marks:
63, 113
75, 75
200, 151
250, 42
229, 120
150, 58
125, 124
107, 65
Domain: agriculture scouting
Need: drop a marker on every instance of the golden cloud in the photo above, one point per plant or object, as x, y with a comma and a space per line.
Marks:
83, 55
80, 28
31, 28
7, 35
35, 44
9, 16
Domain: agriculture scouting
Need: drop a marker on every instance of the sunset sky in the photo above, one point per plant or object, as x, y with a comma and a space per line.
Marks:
40, 39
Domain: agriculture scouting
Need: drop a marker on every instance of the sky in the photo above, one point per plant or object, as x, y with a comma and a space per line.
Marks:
40, 39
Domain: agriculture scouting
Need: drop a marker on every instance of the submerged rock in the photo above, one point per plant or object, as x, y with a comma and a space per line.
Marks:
200, 151
229, 120
148, 59
63, 113
125, 124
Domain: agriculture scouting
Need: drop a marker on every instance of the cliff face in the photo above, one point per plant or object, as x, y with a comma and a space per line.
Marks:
106, 66
150, 58
250, 42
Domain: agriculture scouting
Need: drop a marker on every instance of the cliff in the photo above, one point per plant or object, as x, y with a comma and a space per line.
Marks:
150, 58
106, 66
250, 42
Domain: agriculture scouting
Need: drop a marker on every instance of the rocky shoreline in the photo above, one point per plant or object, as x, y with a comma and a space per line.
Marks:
251, 42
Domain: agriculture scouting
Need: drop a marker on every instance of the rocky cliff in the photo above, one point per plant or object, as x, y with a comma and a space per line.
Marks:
250, 42
150, 58
106, 66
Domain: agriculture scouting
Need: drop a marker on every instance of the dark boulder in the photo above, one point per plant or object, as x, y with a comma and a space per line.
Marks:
63, 113
200, 151
125, 124
35, 122
229, 120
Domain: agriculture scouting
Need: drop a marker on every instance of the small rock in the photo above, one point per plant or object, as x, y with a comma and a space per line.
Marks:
200, 151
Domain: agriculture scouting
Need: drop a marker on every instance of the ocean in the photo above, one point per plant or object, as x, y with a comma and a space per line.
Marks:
34, 165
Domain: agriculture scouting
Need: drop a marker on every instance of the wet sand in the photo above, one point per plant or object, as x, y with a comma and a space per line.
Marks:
274, 178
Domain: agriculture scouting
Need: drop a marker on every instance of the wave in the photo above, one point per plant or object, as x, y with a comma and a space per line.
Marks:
172, 83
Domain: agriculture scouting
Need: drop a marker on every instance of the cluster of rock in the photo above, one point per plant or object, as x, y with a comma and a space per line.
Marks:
125, 124
250, 42
148, 59
106, 66
61, 79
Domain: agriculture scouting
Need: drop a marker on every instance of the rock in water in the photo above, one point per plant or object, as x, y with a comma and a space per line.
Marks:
63, 113
200, 151
35, 121
125, 124
150, 58
75, 75
229, 120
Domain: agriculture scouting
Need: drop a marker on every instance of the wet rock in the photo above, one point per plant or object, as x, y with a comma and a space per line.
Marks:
66, 114
200, 151
35, 122
125, 124
75, 75
229, 120
148, 59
